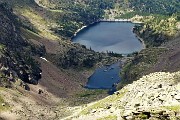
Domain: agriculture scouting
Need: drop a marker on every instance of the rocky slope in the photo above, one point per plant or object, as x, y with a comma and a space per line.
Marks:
155, 59
16, 53
155, 97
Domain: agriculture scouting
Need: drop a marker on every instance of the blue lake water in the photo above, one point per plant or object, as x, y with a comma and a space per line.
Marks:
104, 77
108, 36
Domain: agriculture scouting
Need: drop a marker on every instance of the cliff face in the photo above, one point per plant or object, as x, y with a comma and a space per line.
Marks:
16, 53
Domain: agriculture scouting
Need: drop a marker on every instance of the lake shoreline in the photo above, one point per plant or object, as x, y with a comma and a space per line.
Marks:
104, 20
109, 77
106, 70
141, 40
83, 28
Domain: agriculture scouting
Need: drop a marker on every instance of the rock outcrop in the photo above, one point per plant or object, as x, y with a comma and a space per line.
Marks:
154, 96
16, 61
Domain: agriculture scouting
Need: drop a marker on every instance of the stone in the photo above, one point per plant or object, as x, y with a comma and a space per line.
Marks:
137, 105
140, 94
26, 87
40, 91
3, 104
177, 97
162, 98
129, 118
93, 111
117, 93
127, 113
160, 86
108, 106
177, 114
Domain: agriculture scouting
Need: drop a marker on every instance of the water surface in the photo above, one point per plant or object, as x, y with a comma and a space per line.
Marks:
109, 36
104, 77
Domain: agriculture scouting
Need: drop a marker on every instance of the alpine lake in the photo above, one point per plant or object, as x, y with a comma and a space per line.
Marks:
116, 37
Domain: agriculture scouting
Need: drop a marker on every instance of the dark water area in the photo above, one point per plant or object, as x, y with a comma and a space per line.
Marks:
109, 36
105, 77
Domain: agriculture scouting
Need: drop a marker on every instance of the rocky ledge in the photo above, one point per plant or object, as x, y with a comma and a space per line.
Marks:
154, 96
156, 92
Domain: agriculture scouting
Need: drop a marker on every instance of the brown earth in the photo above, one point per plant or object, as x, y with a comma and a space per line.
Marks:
170, 60
58, 88
61, 83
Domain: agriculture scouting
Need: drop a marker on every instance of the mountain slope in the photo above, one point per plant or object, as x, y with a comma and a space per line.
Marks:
16, 52
35, 38
155, 96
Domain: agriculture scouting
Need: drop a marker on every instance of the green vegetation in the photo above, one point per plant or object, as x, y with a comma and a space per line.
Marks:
91, 93
88, 95
39, 23
76, 14
167, 7
175, 108
109, 117
4, 82
129, 15
159, 25
2, 47
67, 16
176, 78
157, 29
29, 34
140, 65
142, 116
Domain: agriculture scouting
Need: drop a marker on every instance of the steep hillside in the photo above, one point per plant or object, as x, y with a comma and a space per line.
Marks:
162, 54
155, 97
22, 64
45, 23
157, 29
16, 52
36, 48
155, 6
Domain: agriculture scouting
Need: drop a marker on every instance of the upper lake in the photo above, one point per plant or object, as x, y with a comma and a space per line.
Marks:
109, 36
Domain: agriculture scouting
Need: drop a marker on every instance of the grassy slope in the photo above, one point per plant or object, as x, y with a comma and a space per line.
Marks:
34, 17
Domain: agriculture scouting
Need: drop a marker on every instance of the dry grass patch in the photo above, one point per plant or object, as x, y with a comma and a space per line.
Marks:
103, 103
39, 22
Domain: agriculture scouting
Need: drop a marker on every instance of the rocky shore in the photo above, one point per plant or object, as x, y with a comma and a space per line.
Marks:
155, 96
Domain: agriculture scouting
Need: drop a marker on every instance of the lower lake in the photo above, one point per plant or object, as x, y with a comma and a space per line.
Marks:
105, 77
116, 37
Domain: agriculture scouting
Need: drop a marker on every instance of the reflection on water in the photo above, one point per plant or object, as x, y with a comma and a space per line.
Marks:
105, 77
109, 36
